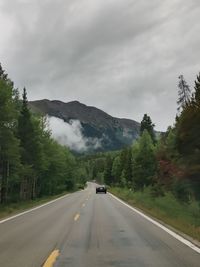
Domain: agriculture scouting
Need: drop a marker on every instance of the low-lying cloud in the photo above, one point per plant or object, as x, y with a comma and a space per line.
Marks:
70, 134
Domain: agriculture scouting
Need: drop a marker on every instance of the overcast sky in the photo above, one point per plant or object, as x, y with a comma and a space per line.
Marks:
122, 56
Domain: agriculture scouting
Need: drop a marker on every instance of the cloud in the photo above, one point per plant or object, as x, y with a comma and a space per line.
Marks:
127, 134
70, 135
127, 50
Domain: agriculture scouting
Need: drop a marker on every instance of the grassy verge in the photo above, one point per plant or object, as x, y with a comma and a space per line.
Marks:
14, 208
183, 217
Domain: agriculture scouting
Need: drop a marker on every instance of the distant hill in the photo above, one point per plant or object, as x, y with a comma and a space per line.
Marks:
114, 133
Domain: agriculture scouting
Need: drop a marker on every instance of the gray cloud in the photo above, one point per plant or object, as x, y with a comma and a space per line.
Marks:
123, 56
70, 135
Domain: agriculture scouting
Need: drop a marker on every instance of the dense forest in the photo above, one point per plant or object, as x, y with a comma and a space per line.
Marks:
32, 164
169, 162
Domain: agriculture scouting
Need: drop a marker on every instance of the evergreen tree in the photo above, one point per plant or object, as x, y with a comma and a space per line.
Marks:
108, 171
144, 162
188, 138
9, 145
188, 126
128, 166
3, 75
146, 124
17, 101
123, 181
167, 158
29, 133
116, 170
197, 91
184, 93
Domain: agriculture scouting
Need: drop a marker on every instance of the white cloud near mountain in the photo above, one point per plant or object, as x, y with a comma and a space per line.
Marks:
70, 135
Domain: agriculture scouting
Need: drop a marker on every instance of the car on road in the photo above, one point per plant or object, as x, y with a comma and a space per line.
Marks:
101, 189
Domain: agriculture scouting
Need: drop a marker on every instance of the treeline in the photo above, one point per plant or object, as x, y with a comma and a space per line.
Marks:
168, 162
32, 164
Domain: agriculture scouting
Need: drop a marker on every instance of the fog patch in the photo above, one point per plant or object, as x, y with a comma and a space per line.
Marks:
70, 134
127, 134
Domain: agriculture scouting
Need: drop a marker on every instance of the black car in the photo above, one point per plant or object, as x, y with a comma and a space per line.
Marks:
101, 189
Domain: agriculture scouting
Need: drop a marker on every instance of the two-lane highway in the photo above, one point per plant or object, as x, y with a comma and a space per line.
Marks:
88, 229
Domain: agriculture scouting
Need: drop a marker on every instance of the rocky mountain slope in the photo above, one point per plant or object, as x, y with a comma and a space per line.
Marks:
113, 133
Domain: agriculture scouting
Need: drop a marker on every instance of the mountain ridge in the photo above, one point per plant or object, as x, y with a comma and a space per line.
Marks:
114, 132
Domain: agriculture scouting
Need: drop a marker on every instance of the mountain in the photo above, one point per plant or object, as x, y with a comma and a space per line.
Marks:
113, 133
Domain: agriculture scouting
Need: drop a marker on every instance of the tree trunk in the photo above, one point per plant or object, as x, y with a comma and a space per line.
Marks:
24, 189
4, 181
34, 188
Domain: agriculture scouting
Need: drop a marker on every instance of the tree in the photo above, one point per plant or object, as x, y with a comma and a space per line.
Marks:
144, 162
9, 145
29, 133
197, 91
188, 138
146, 124
108, 171
184, 93
188, 126
116, 170
127, 166
167, 158
3, 75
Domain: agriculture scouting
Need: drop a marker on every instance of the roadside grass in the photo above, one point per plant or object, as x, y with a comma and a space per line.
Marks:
184, 217
10, 209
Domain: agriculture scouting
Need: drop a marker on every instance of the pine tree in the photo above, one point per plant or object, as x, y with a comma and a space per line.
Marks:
146, 124
108, 171
25, 130
3, 75
9, 146
188, 138
29, 133
188, 125
197, 91
184, 93
116, 170
128, 166
144, 162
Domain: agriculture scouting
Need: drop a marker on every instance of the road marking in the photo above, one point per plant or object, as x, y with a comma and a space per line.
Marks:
175, 235
51, 259
76, 217
33, 209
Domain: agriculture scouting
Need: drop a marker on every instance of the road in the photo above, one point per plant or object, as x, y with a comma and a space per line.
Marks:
89, 230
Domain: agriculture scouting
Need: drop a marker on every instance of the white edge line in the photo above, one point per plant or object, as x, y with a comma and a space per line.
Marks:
175, 235
30, 210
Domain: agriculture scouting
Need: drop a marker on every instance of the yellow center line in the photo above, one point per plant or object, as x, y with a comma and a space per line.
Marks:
76, 217
51, 259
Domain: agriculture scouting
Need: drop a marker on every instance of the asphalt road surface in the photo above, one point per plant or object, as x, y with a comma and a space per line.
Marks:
90, 230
